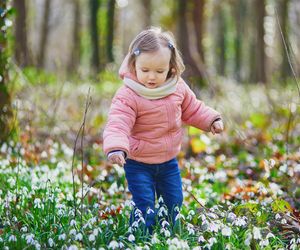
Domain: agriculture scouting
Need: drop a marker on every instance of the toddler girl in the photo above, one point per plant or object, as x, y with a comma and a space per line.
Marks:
145, 121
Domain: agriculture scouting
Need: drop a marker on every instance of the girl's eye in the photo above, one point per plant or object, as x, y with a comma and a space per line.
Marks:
144, 70
160, 72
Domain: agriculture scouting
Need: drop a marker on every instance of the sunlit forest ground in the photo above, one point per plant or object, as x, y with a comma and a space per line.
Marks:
241, 188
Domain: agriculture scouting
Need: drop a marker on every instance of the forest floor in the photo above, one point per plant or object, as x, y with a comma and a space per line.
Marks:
241, 188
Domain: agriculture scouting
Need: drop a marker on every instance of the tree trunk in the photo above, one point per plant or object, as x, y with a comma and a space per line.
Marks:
75, 51
192, 70
5, 100
221, 42
21, 49
260, 48
44, 34
146, 5
94, 6
239, 14
198, 19
110, 30
285, 70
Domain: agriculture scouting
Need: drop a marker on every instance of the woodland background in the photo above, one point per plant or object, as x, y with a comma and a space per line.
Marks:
59, 65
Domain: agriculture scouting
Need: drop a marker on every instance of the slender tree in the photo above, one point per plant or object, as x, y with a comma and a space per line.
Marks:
146, 6
44, 34
198, 19
260, 44
221, 40
5, 100
192, 69
110, 29
94, 7
21, 49
75, 51
283, 17
239, 14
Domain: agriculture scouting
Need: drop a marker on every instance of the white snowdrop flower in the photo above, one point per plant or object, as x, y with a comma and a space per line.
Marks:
78, 237
37, 203
62, 236
154, 239
167, 233
73, 247
131, 238
135, 224
191, 230
96, 205
240, 222
1, 240
149, 211
283, 168
212, 215
162, 211
142, 220
121, 245
12, 238
212, 241
165, 223
73, 223
197, 248
12, 182
277, 216
231, 217
160, 199
264, 243
283, 221
50, 242
226, 231
24, 229
113, 244
270, 235
256, 233
92, 237
72, 232
179, 216
29, 239
37, 246
213, 227
96, 231
248, 239
201, 239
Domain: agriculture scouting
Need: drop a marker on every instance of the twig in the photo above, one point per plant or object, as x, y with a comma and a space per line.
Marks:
287, 52
87, 105
204, 207
73, 158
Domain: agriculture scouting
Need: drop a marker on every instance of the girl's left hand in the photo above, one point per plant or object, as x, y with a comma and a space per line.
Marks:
217, 127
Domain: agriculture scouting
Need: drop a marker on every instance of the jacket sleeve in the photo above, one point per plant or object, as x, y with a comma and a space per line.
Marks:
121, 118
195, 112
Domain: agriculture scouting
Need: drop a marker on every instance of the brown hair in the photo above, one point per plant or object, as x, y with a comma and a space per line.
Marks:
151, 40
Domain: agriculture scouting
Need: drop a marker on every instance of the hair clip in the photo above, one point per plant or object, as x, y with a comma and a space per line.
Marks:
136, 52
170, 45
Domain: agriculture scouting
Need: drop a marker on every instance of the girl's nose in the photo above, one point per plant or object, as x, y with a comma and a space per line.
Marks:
151, 76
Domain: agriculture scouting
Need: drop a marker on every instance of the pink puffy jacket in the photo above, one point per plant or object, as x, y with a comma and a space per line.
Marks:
150, 131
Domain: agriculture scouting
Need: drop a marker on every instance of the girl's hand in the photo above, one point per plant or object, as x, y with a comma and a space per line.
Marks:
117, 158
217, 127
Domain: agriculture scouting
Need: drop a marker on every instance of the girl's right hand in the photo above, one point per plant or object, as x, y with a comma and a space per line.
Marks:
117, 158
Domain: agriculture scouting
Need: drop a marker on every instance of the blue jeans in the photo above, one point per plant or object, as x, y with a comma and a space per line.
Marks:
147, 180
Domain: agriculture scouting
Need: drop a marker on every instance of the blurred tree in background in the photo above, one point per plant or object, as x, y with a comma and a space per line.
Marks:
237, 39
5, 100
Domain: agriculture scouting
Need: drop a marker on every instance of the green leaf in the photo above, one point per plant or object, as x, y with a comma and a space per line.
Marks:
251, 207
259, 120
282, 206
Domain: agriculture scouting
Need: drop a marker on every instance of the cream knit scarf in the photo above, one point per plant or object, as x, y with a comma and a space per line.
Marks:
169, 87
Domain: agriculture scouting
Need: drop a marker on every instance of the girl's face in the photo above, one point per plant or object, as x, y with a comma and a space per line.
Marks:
152, 67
